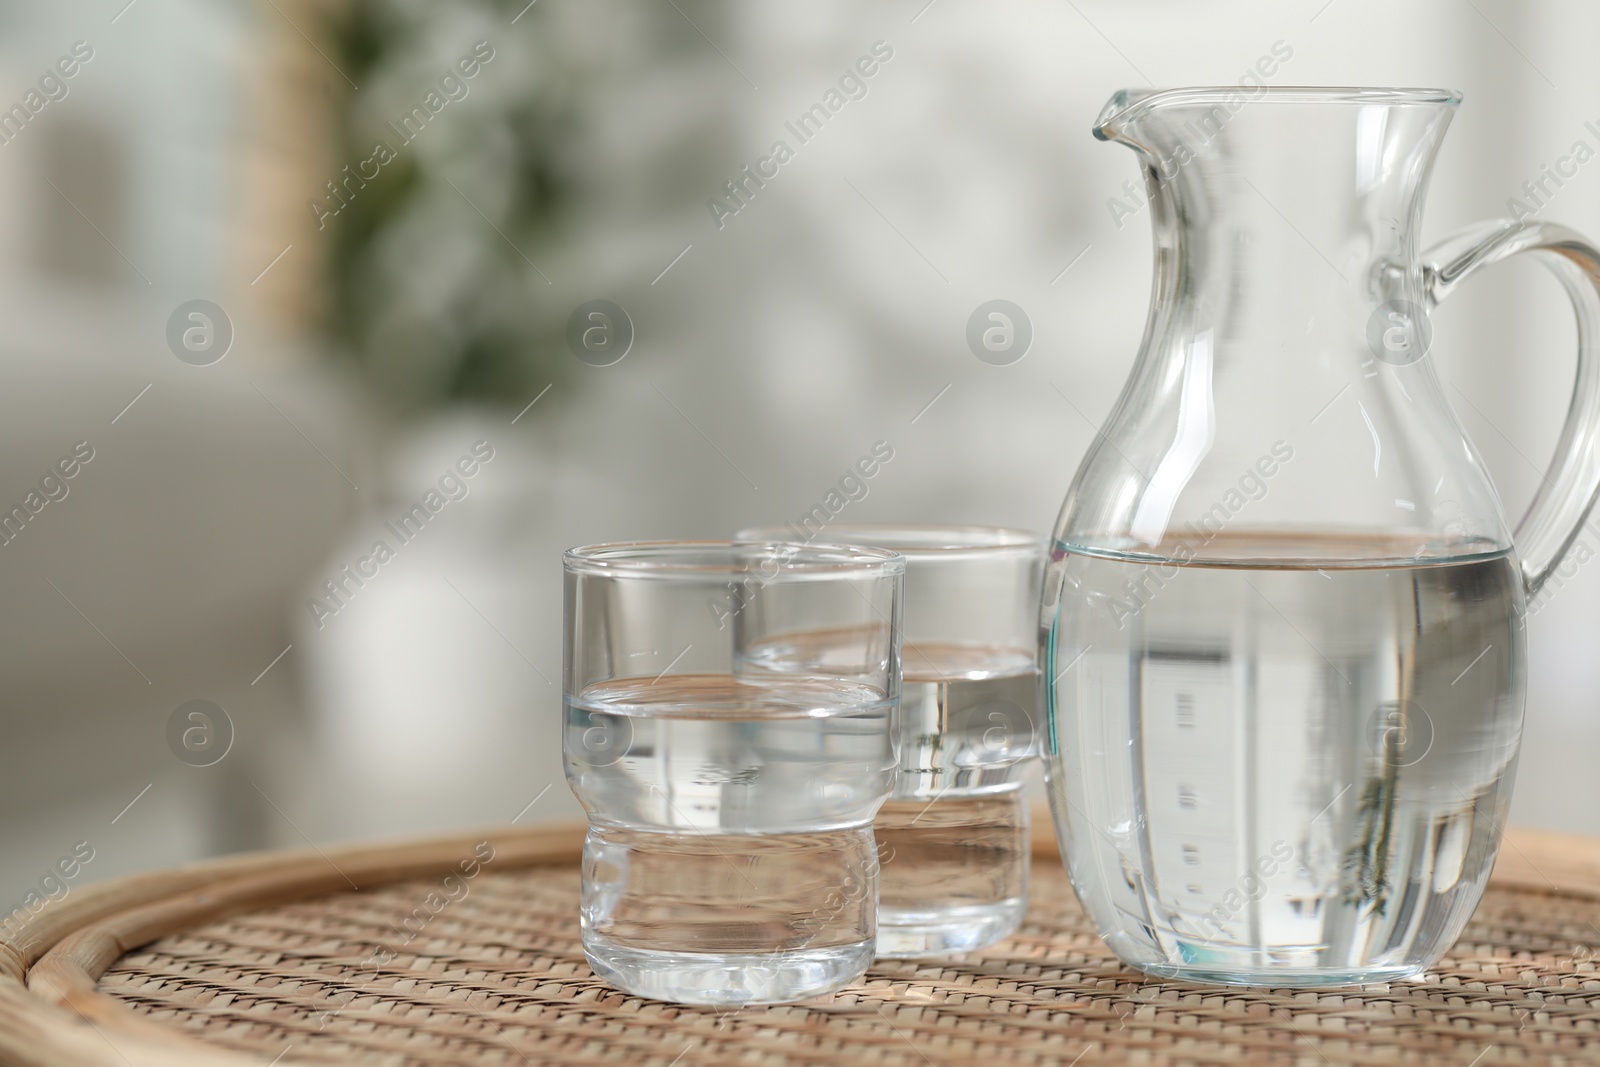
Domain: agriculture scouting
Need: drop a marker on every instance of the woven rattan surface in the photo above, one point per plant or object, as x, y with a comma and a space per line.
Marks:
497, 976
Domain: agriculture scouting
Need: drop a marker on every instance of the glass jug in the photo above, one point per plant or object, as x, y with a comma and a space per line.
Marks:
1281, 629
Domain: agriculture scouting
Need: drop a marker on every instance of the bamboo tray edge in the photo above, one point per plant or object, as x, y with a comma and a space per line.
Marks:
52, 1016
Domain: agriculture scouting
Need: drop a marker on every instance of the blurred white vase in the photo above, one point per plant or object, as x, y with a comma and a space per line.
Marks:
431, 682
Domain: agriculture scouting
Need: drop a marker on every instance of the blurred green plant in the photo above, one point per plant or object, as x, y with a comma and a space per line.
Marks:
437, 298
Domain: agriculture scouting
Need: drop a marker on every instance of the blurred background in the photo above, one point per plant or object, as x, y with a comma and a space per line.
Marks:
389, 211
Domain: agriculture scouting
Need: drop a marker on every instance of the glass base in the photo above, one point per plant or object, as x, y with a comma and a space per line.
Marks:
1279, 977
727, 978
907, 934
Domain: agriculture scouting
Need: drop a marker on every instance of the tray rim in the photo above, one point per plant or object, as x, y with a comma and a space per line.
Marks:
50, 1012
52, 1015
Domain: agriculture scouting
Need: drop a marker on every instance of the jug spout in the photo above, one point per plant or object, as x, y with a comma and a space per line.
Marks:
1304, 190
1247, 157
1108, 127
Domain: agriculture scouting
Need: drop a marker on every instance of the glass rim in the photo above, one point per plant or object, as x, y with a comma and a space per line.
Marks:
919, 541
690, 560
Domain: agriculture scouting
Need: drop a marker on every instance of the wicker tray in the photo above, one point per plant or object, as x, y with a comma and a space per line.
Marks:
271, 958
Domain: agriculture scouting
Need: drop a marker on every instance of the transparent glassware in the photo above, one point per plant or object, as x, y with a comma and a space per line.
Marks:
730, 772
953, 839
1281, 622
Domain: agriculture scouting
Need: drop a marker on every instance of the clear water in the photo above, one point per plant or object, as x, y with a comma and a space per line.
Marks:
954, 872
1280, 772
730, 857
954, 839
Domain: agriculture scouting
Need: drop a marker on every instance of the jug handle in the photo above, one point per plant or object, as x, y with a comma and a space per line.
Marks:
1568, 491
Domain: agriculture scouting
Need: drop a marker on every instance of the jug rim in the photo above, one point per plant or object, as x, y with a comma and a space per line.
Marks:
1126, 104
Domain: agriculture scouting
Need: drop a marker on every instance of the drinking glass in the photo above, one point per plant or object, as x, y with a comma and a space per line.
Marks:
728, 731
953, 839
